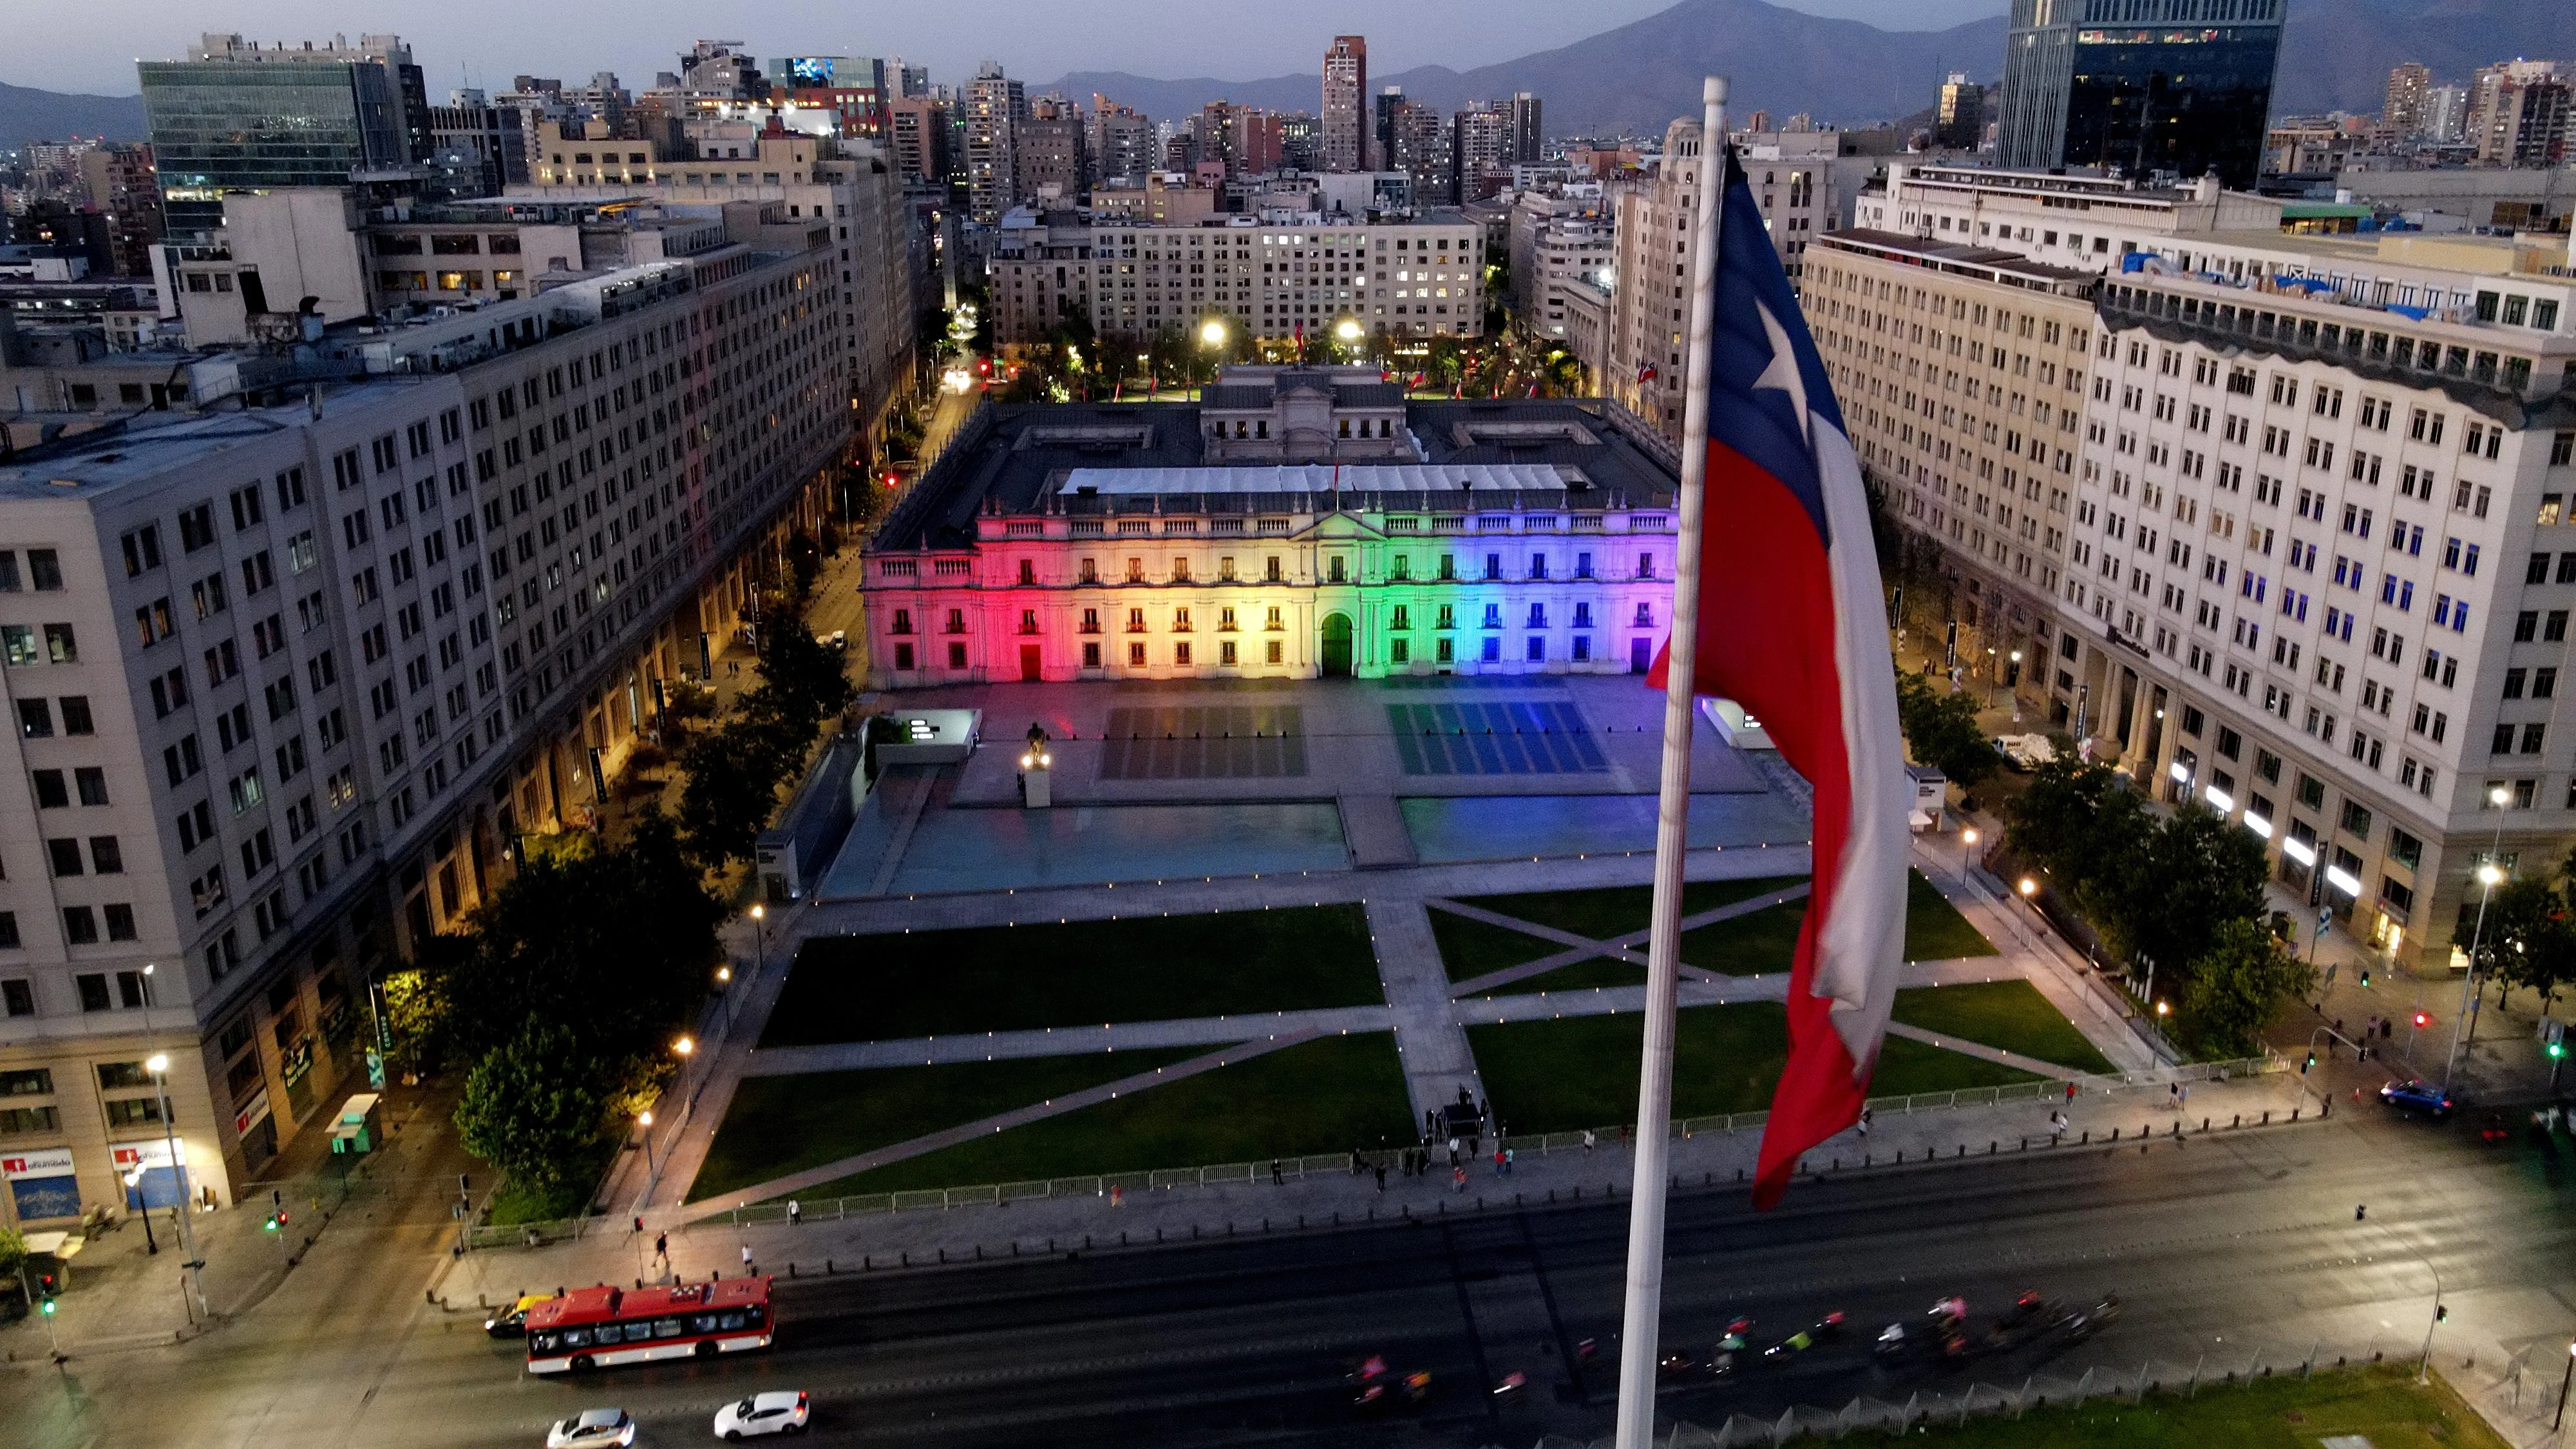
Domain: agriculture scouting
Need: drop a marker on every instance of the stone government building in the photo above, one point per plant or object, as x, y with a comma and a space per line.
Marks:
1293, 523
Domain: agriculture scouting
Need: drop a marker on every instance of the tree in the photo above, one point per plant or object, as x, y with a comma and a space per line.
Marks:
1942, 730
2530, 937
2194, 873
2058, 823
13, 1253
533, 1106
2236, 986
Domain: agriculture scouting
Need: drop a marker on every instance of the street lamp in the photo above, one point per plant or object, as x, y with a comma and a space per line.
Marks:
1212, 336
644, 1119
2015, 685
159, 1066
759, 937
1967, 853
2489, 877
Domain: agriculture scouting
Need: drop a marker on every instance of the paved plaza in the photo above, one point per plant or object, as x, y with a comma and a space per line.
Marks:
1426, 802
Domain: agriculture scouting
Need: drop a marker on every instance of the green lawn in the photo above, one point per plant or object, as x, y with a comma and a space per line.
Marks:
2007, 1014
1469, 948
1144, 968
1767, 941
1616, 910
779, 1125
568, 1197
2381, 1405
1327, 1095
1934, 929
1574, 1072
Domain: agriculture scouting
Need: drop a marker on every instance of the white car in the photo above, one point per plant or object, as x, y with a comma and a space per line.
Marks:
780, 1413
592, 1429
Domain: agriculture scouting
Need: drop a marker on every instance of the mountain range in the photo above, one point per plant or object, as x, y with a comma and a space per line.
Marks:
1635, 78
28, 114
2335, 55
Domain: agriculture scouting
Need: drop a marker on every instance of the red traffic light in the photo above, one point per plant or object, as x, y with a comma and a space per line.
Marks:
2423, 1019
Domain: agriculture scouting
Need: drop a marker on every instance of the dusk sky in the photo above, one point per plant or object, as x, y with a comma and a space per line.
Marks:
92, 46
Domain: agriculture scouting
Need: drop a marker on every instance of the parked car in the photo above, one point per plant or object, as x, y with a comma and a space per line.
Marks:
592, 1429
772, 1413
2412, 1095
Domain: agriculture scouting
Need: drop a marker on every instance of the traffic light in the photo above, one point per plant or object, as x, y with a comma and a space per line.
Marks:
2423, 1019
2441, 1313
2311, 1061
271, 1224
2557, 1040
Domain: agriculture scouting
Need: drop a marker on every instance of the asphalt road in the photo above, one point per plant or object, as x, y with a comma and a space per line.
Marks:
2218, 1248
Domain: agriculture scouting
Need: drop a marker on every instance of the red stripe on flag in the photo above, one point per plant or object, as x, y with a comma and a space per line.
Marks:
1767, 641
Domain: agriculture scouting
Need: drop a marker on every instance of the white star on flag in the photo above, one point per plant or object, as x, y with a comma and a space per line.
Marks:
1783, 374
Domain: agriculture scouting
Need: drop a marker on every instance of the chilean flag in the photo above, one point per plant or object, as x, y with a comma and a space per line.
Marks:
1792, 627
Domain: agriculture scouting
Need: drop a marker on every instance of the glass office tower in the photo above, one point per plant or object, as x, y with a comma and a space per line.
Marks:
2181, 87
288, 118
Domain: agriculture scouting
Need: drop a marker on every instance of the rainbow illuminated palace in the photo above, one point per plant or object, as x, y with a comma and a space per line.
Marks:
1296, 522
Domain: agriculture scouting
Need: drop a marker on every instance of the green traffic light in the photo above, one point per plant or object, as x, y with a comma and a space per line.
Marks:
2557, 1049
271, 1224
48, 1308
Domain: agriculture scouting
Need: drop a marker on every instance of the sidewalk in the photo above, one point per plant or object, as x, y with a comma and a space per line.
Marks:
1324, 1200
122, 1294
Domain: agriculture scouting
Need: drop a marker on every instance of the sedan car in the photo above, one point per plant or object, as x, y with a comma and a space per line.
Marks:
778, 1413
2417, 1096
592, 1429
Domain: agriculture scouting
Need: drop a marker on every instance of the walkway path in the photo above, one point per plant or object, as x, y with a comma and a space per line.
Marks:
1059, 1041
1437, 1061
1617, 947
967, 1132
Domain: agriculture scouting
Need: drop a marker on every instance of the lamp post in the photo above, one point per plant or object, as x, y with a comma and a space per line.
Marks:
2014, 684
1967, 853
2489, 876
2029, 889
759, 937
724, 997
644, 1119
1347, 332
1211, 336
159, 1067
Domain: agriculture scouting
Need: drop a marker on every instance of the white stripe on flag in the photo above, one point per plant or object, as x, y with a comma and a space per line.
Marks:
1861, 942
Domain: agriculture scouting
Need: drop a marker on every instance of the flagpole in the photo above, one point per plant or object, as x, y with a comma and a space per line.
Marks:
1638, 1339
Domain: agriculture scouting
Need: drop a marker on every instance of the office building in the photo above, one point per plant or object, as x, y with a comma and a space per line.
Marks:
1122, 143
852, 86
1959, 120
1528, 136
1274, 276
290, 677
1294, 523
2309, 572
123, 182
2446, 114
2409, 88
1558, 241
994, 108
1054, 153
917, 132
1345, 123
486, 136
2519, 113
1804, 183
241, 116
1480, 151
2140, 88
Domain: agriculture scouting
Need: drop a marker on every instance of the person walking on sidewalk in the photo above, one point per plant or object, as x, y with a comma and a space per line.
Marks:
1275, 1179
1863, 1124
1458, 1179
1587, 1142
1453, 1152
747, 1269
1508, 1156
2070, 1091
1381, 1177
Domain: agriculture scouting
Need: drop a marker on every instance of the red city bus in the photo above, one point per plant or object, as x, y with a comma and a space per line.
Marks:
597, 1327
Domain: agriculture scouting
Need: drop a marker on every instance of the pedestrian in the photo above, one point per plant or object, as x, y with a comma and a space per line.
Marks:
2331, 968
1864, 1122
1498, 1162
2387, 1027
1117, 1196
2186, 1093
1355, 1162
1381, 1177
746, 1259
662, 1246
1508, 1156
1275, 1179
795, 1213
1453, 1152
2173, 1095
1587, 1142
1457, 1179
2070, 1091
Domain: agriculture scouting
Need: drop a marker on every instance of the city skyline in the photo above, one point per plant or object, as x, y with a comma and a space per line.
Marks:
95, 50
